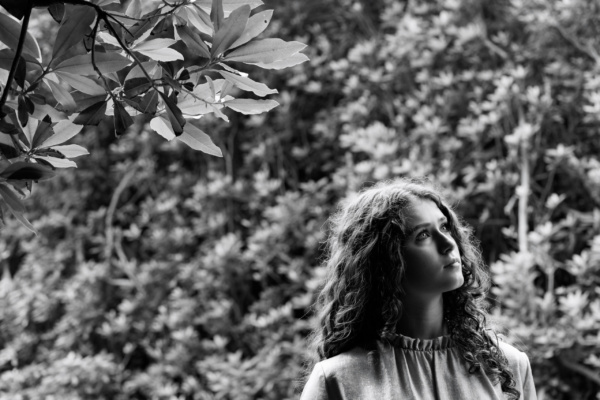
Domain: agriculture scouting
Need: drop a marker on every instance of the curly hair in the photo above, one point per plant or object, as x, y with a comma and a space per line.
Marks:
360, 301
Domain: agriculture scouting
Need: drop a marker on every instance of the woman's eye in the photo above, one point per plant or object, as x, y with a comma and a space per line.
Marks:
446, 227
422, 235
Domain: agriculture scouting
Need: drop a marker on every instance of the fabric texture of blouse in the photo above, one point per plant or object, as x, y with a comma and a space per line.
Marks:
412, 369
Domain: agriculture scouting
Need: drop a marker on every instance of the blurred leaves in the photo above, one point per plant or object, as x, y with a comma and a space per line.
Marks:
169, 276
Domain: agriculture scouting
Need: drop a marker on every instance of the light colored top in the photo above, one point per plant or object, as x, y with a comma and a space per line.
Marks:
415, 369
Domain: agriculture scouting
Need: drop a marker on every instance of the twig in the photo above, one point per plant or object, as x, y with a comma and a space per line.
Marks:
110, 212
15, 62
120, 24
523, 194
588, 373
585, 51
493, 47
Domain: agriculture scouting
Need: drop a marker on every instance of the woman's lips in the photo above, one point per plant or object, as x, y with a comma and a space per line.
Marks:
452, 263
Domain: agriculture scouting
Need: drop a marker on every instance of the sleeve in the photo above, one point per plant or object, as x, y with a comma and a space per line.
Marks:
528, 387
316, 386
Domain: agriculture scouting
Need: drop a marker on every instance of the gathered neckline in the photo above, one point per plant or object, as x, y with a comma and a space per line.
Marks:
408, 343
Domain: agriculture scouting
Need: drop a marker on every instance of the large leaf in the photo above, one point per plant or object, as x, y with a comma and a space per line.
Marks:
22, 170
165, 54
135, 87
8, 127
230, 30
26, 107
244, 83
18, 8
92, 115
122, 119
154, 44
250, 106
228, 5
29, 130
102, 3
10, 30
198, 18
290, 61
43, 110
162, 127
71, 150
149, 102
151, 67
255, 26
58, 162
11, 199
158, 50
198, 140
15, 206
74, 26
43, 132
143, 29
264, 51
61, 95
193, 41
57, 11
63, 131
135, 9
82, 65
202, 100
217, 13
81, 83
174, 113
6, 59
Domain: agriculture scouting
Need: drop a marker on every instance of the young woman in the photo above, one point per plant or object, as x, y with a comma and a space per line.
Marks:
402, 312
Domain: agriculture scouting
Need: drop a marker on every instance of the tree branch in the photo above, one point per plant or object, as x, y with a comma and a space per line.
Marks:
15, 62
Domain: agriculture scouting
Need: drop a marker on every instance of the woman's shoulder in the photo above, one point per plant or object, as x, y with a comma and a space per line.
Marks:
359, 373
360, 358
518, 362
511, 353
355, 359
517, 359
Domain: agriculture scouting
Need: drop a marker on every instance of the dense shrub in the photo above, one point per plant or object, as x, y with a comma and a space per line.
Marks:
193, 277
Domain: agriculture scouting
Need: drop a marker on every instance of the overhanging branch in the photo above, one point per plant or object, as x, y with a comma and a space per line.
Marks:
15, 62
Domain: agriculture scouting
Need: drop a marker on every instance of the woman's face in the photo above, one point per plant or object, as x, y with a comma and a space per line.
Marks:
431, 256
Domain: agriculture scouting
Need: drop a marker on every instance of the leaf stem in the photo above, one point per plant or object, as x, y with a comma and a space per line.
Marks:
102, 15
199, 98
94, 32
33, 86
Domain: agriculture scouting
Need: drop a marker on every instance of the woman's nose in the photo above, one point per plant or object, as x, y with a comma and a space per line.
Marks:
446, 243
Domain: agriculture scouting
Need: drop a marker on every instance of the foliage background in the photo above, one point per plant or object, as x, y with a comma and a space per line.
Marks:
163, 273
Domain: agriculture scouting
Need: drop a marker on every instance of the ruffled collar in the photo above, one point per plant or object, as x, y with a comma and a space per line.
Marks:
408, 343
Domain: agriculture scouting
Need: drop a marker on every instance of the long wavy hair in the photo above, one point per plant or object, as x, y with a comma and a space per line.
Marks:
360, 301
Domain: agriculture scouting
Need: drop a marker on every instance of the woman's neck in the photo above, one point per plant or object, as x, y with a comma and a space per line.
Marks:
422, 318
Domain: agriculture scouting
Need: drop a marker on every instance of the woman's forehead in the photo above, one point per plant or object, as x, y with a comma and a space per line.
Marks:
423, 211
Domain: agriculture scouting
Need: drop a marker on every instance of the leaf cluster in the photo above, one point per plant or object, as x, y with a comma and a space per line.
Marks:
168, 64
